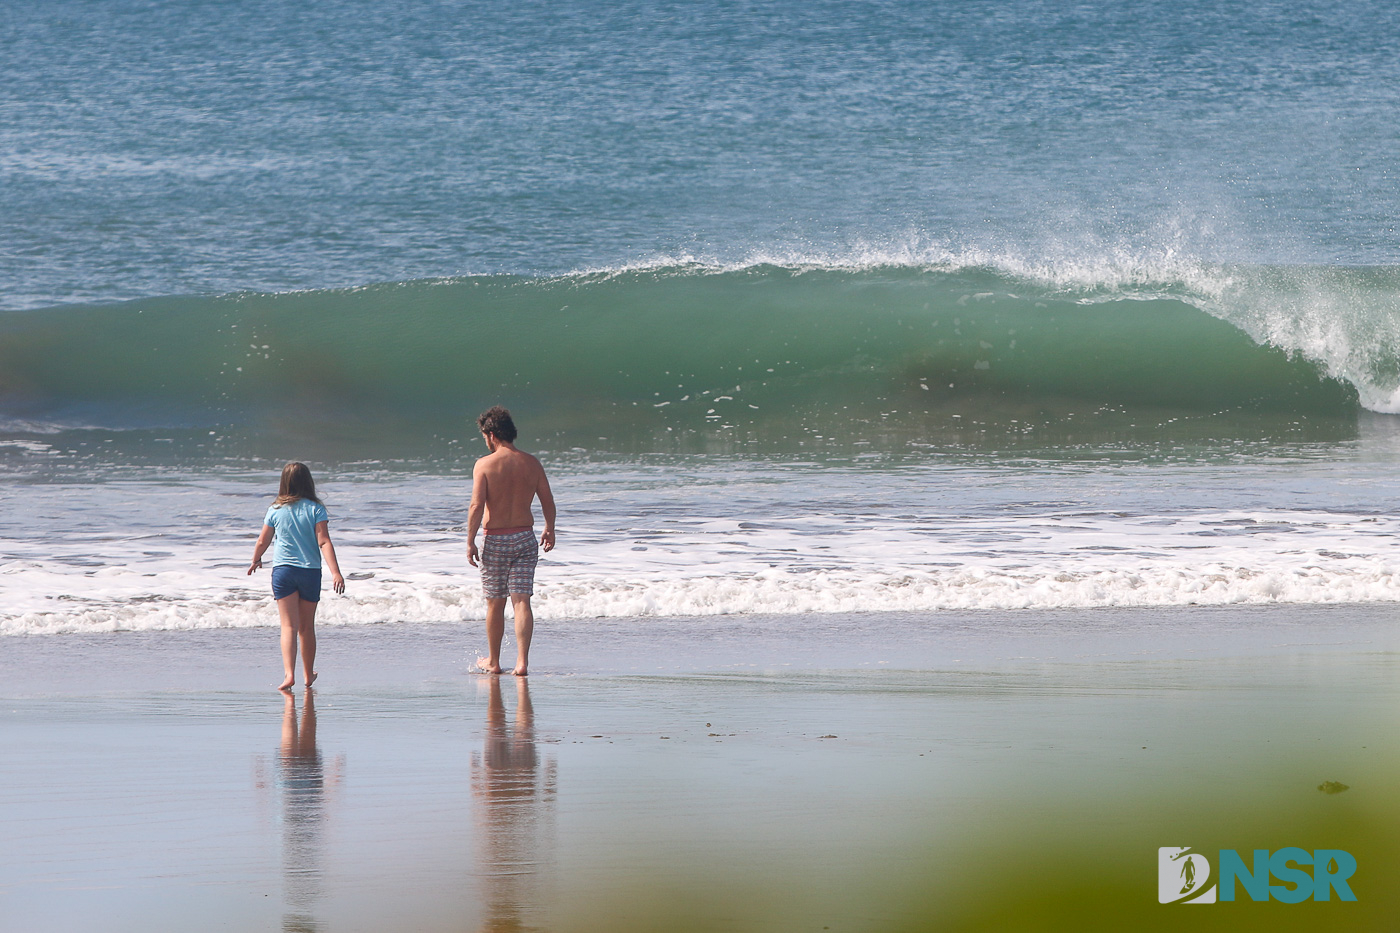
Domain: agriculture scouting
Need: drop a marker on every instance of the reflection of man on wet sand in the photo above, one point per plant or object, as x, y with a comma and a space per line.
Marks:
506, 778
504, 485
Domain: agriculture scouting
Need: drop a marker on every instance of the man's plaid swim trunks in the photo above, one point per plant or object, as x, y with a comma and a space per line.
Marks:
508, 564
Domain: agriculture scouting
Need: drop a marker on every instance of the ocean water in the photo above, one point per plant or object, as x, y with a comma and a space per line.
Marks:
807, 308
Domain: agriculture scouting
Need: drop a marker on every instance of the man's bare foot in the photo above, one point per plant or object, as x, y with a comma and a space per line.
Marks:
311, 678
486, 667
520, 671
288, 683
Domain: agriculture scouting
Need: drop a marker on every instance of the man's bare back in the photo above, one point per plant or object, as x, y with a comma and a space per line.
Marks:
505, 484
508, 480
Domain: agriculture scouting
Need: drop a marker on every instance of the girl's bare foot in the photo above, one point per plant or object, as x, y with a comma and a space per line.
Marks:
288, 683
486, 667
311, 678
520, 671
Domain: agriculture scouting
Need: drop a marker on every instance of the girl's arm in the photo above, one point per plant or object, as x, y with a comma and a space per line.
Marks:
264, 542
323, 538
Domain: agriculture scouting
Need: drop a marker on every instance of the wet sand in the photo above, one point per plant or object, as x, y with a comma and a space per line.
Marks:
866, 772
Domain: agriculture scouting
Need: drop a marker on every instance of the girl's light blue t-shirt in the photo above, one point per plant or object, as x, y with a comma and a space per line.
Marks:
294, 533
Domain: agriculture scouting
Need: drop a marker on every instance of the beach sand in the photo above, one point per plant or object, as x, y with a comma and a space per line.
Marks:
975, 771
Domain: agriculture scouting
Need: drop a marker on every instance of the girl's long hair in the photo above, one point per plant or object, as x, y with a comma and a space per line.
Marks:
296, 484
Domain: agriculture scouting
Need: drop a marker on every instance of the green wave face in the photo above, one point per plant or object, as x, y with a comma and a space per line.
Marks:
685, 349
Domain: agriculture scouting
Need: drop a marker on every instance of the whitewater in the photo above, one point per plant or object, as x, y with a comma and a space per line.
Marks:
687, 539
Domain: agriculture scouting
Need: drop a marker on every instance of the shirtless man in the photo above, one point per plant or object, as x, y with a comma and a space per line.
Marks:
504, 484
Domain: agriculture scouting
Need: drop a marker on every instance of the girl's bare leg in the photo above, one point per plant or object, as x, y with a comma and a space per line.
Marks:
308, 640
289, 611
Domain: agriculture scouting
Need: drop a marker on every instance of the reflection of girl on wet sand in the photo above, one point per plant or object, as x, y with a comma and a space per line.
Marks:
303, 781
515, 803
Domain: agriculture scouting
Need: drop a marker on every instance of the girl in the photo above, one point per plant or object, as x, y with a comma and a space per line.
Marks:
298, 524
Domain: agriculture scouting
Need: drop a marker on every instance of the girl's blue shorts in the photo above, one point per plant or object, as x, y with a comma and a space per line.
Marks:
304, 581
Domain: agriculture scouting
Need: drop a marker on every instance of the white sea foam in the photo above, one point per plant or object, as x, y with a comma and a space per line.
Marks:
1347, 320
694, 566
28, 426
1103, 271
27, 446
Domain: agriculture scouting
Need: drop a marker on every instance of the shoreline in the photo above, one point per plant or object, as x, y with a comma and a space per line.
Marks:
412, 652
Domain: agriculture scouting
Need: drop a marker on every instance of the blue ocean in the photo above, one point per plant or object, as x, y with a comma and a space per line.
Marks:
806, 307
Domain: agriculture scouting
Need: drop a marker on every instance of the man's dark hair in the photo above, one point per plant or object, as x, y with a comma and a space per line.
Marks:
497, 422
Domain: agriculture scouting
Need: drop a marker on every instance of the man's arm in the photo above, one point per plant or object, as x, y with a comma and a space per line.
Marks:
477, 511
546, 509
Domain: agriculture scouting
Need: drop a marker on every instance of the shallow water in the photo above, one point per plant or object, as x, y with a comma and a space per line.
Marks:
670, 538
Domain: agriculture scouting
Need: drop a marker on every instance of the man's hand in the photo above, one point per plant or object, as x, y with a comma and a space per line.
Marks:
472, 553
254, 566
547, 540
338, 584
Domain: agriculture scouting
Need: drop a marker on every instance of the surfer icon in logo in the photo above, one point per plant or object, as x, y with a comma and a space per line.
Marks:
1188, 875
1183, 876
